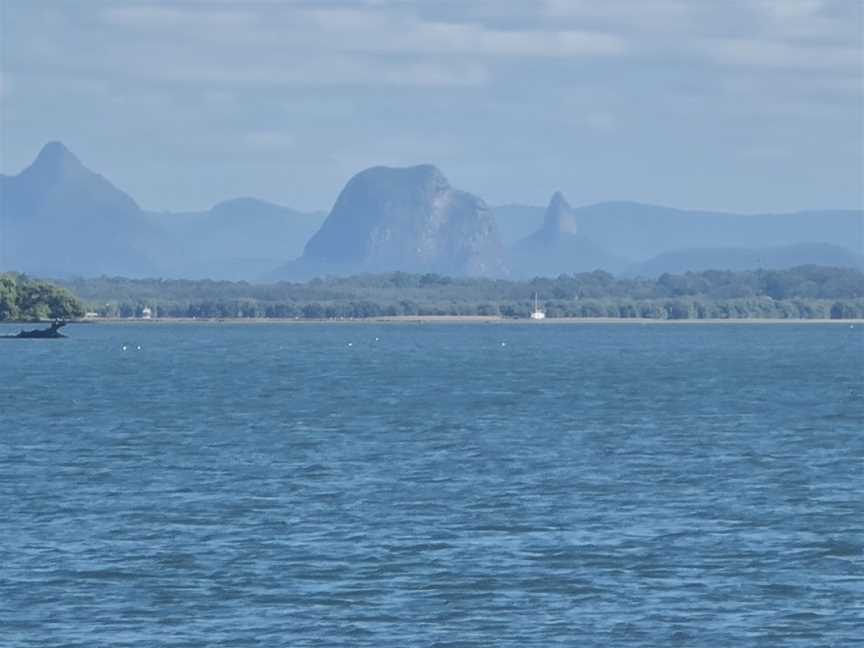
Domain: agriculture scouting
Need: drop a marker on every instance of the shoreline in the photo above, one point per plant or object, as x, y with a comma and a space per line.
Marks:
448, 319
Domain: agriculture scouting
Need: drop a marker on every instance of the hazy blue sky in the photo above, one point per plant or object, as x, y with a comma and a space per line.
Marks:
735, 104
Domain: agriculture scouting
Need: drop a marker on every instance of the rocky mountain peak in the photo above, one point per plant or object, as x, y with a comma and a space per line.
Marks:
559, 217
407, 218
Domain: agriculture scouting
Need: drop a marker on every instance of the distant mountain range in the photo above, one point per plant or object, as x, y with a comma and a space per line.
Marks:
59, 219
637, 231
767, 258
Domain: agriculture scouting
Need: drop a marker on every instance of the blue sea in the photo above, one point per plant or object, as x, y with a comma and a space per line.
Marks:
433, 485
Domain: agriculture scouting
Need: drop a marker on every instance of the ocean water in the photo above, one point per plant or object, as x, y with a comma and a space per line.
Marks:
433, 485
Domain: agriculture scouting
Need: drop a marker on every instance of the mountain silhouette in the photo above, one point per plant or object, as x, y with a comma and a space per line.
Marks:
407, 219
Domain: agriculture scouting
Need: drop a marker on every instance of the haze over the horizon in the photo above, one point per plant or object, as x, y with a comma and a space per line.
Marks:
741, 106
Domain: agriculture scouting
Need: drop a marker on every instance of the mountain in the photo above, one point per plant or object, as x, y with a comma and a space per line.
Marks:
407, 219
558, 247
59, 218
769, 258
242, 238
640, 232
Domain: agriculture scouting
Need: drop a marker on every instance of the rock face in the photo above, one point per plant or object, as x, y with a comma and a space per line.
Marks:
557, 247
559, 218
407, 219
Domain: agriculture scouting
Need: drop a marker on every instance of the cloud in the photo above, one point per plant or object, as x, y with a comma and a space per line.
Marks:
627, 15
761, 53
382, 32
295, 44
792, 34
399, 44
601, 122
165, 17
291, 43
341, 71
268, 141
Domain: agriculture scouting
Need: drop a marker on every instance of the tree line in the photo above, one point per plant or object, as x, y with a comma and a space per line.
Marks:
808, 292
22, 298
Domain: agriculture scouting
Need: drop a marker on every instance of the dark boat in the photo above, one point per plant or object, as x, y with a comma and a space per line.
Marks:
50, 333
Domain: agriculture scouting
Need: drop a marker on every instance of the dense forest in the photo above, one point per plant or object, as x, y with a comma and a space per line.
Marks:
22, 298
805, 292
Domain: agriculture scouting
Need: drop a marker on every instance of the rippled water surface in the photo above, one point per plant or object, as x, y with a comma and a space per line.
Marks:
433, 485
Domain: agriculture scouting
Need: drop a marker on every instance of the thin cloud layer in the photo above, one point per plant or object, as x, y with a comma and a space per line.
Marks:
396, 43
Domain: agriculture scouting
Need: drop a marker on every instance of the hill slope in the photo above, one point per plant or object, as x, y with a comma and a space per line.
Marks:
640, 231
60, 218
243, 238
770, 258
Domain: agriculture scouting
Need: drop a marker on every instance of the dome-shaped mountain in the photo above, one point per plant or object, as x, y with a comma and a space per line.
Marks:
404, 219
557, 248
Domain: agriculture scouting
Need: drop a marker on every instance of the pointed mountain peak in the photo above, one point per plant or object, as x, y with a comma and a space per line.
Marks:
54, 162
56, 152
558, 201
54, 149
559, 218
57, 168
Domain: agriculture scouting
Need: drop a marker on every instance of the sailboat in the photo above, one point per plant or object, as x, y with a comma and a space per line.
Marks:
537, 313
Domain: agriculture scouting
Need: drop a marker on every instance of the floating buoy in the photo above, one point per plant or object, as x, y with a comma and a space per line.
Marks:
124, 347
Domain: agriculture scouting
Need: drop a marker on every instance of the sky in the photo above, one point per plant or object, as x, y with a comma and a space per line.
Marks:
739, 105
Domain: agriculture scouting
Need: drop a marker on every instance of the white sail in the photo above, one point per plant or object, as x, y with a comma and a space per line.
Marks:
537, 313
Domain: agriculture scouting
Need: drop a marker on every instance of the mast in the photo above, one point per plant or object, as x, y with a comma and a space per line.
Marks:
537, 313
